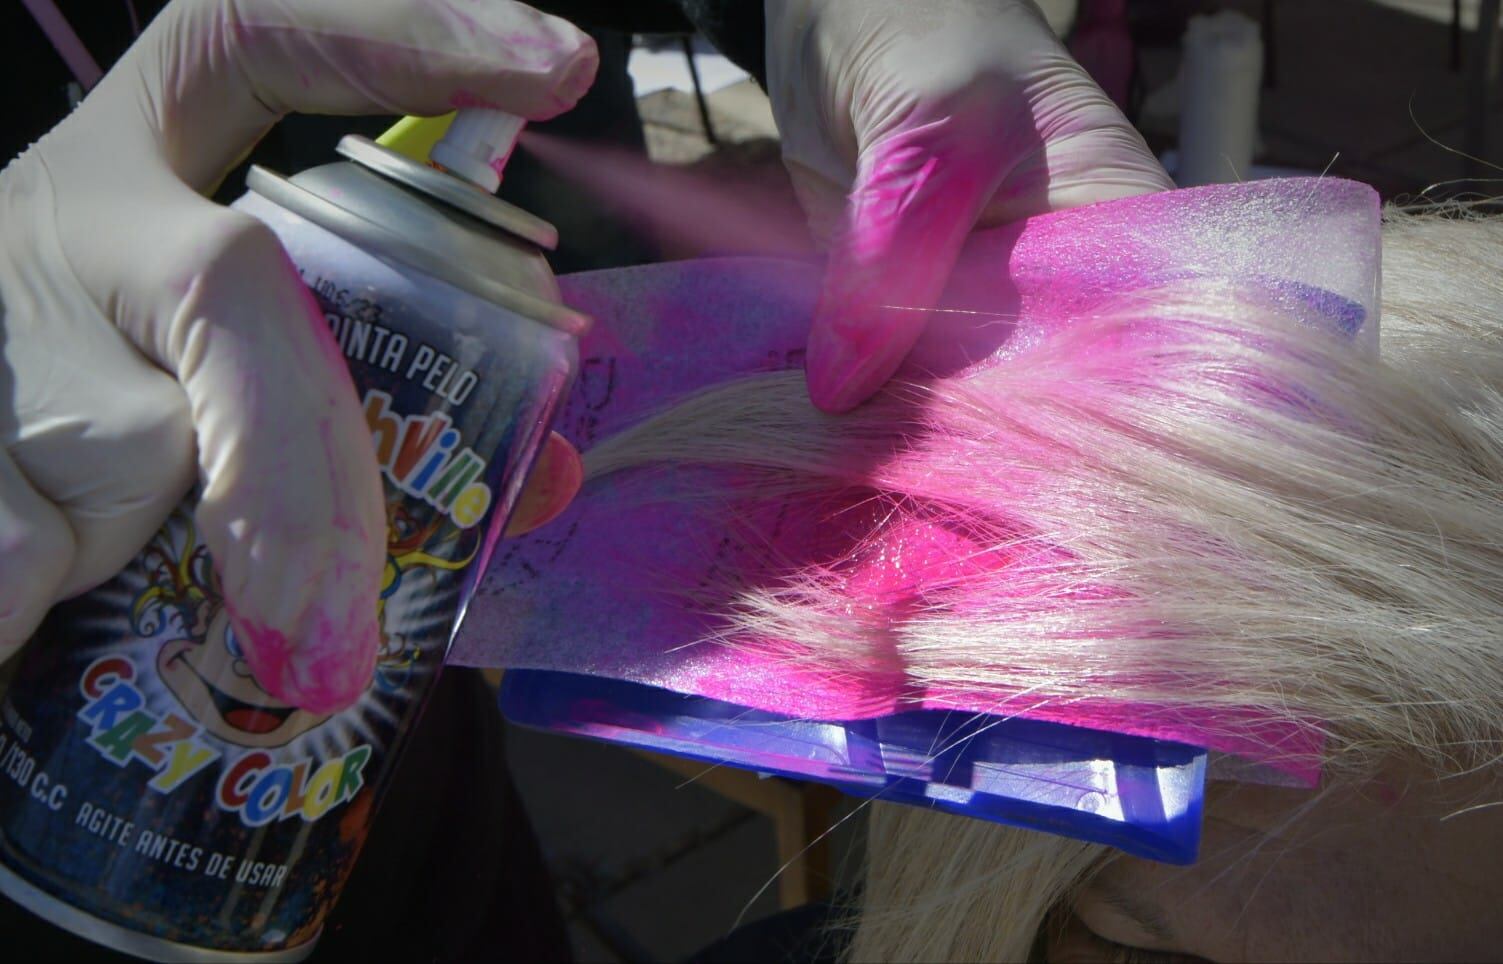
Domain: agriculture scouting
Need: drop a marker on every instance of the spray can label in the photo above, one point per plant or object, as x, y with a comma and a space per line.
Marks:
146, 779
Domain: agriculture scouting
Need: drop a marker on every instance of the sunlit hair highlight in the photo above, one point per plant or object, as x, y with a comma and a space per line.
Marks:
1192, 497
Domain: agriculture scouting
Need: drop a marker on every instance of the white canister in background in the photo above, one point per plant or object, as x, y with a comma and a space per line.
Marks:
1219, 83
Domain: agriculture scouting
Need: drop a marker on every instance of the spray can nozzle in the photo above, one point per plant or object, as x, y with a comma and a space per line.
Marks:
477, 145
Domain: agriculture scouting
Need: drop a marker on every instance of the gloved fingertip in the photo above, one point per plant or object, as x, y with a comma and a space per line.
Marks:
324, 671
573, 61
855, 346
838, 384
579, 75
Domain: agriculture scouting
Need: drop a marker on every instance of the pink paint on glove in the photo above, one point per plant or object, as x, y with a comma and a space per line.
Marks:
906, 124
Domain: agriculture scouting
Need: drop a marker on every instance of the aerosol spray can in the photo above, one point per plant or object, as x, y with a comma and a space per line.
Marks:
153, 797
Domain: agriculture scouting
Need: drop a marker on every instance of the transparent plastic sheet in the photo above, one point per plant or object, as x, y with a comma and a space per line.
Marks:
591, 594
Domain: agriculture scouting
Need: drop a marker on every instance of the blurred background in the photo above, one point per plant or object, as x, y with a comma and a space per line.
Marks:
1393, 92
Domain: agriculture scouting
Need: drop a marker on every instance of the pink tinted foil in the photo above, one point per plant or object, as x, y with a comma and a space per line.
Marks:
598, 591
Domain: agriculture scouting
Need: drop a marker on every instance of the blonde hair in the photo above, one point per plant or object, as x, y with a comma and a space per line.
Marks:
1254, 513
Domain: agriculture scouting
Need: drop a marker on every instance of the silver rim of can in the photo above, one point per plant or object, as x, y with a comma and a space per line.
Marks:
449, 189
378, 240
123, 939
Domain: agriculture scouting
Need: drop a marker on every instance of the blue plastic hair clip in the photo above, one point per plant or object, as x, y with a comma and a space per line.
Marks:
1140, 795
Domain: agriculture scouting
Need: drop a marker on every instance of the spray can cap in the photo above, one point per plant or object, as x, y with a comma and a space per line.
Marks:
478, 144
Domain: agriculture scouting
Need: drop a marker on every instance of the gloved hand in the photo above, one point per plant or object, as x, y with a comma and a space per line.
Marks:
906, 124
144, 325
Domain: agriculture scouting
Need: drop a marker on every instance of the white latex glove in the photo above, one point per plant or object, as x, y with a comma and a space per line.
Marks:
905, 125
143, 325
